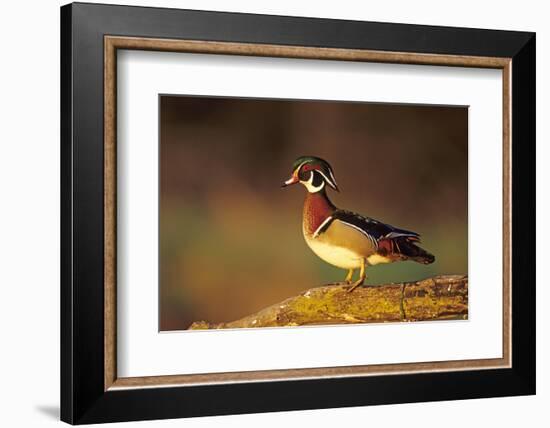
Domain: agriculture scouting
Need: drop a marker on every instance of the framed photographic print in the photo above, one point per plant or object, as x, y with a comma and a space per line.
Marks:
265, 213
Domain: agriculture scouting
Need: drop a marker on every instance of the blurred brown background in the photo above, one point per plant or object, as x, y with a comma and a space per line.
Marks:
231, 239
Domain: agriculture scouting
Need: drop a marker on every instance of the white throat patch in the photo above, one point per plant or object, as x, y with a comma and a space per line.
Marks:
309, 184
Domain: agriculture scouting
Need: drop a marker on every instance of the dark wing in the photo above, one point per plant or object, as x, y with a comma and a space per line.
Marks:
371, 227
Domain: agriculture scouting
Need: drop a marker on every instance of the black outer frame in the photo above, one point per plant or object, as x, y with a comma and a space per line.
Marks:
83, 399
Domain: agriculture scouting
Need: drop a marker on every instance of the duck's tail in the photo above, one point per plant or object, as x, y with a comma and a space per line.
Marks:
407, 246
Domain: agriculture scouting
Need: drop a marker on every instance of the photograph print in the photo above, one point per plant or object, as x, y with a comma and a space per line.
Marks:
287, 213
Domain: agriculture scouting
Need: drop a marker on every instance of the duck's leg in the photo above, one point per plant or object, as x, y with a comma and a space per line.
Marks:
349, 277
362, 277
347, 281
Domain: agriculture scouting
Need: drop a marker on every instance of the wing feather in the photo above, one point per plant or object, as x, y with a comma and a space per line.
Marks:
371, 227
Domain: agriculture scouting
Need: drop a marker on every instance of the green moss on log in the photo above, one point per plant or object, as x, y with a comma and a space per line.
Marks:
441, 297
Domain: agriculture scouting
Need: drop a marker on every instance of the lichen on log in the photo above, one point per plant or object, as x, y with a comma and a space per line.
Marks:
437, 298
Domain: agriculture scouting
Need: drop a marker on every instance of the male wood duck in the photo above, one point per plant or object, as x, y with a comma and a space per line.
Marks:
343, 238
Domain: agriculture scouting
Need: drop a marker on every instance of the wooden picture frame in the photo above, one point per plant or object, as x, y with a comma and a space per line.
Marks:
91, 390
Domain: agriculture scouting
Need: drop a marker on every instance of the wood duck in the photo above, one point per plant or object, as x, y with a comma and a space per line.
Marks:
343, 238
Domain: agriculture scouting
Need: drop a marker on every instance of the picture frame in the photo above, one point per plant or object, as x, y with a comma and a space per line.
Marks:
91, 35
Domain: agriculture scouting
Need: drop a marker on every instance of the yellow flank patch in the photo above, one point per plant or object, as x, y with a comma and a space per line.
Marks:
377, 259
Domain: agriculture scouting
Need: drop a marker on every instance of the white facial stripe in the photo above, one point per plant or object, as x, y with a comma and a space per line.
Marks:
298, 168
332, 176
309, 184
330, 182
316, 234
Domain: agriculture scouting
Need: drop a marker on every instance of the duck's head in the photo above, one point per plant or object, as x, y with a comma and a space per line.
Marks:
313, 172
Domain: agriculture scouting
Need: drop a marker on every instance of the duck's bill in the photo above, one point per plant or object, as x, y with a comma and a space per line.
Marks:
291, 180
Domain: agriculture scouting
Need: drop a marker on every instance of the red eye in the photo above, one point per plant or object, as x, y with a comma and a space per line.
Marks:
306, 168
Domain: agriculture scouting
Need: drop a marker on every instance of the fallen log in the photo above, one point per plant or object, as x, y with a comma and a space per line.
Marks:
438, 298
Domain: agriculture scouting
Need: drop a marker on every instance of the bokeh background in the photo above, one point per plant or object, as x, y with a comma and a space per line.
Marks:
231, 239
